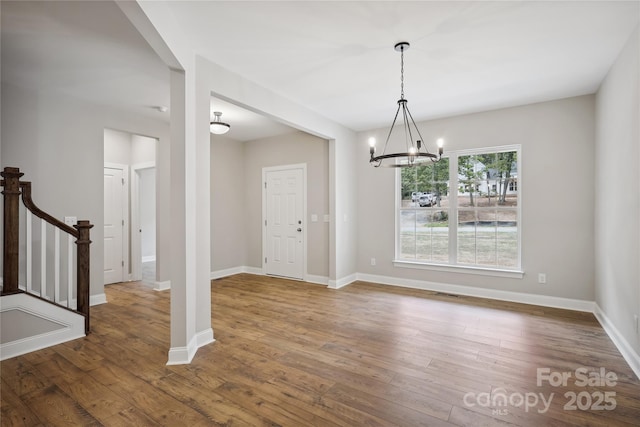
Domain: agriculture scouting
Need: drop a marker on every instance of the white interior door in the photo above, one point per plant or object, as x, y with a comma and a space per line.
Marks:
113, 225
284, 228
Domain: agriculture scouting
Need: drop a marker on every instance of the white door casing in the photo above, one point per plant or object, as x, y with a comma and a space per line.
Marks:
115, 223
284, 227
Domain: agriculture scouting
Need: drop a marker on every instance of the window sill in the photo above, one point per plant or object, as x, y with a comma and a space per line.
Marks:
513, 274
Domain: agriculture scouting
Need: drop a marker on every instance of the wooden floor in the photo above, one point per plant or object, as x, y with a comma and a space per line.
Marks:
295, 354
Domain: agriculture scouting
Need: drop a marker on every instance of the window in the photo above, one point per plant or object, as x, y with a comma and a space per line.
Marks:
461, 211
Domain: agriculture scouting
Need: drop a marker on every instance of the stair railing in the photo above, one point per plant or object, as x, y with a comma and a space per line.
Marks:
13, 189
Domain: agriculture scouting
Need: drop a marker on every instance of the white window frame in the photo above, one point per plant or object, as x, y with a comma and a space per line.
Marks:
452, 265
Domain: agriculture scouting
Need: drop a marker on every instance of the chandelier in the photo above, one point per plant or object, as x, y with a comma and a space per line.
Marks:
415, 152
217, 126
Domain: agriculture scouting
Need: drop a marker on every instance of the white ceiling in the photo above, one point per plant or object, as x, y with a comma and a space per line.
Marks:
336, 58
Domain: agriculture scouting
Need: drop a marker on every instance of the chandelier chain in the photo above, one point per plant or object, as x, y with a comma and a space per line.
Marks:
402, 73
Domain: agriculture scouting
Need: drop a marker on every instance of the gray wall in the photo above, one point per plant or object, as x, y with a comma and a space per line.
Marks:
58, 143
617, 186
557, 141
236, 200
228, 238
298, 147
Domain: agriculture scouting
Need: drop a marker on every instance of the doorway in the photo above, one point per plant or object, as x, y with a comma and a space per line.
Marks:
283, 212
135, 156
143, 220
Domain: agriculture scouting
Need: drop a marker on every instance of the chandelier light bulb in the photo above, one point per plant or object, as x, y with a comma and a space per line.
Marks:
372, 146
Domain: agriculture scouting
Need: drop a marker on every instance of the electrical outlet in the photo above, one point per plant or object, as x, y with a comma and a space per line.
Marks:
542, 278
70, 220
373, 261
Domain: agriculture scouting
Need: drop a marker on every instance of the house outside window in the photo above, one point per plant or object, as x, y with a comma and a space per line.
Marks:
463, 211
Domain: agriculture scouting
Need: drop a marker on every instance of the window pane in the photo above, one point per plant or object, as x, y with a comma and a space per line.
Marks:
425, 185
467, 236
432, 235
507, 238
409, 188
488, 179
408, 233
486, 238
469, 174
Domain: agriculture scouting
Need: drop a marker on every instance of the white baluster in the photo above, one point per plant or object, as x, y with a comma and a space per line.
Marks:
29, 243
56, 279
69, 270
43, 258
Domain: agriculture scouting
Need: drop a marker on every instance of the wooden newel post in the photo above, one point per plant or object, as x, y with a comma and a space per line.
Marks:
11, 193
83, 278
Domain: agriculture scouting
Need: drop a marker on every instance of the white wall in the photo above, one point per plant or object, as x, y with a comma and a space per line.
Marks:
556, 181
117, 147
617, 186
147, 214
143, 149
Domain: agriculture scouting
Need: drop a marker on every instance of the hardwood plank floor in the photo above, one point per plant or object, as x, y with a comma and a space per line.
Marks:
295, 354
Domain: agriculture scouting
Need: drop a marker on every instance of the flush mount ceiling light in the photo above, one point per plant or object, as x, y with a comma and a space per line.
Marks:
217, 126
415, 152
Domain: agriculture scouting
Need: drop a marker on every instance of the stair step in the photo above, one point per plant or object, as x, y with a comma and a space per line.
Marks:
29, 324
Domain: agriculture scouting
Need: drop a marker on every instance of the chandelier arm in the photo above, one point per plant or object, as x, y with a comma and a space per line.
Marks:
379, 159
407, 128
384, 150
418, 130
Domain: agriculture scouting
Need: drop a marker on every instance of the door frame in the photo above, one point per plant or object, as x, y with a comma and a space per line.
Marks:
125, 216
136, 244
266, 170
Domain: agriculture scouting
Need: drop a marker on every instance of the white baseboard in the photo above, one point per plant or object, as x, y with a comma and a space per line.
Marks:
97, 299
71, 325
151, 258
627, 351
253, 270
93, 300
541, 300
184, 355
162, 286
340, 283
218, 274
227, 272
320, 280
